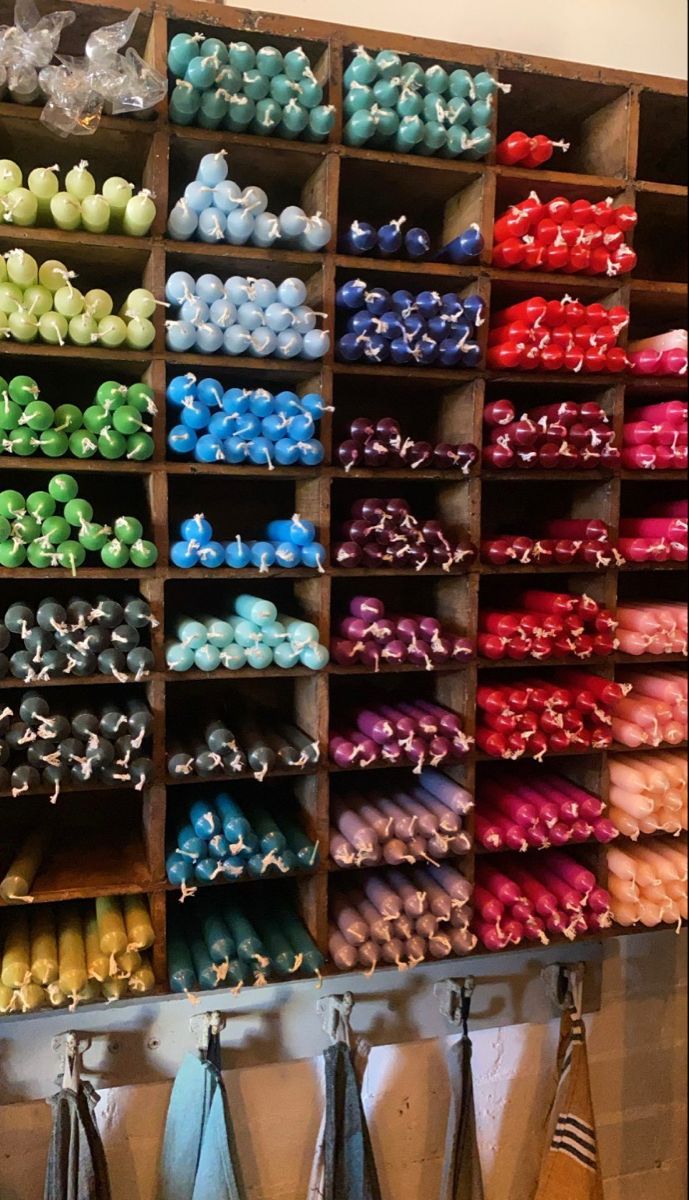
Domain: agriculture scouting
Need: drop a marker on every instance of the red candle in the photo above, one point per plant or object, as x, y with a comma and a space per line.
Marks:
515, 147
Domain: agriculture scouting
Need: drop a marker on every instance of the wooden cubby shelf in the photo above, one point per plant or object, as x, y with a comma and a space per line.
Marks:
628, 140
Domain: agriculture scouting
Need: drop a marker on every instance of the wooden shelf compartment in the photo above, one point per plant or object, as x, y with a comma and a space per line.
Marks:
662, 153
660, 238
531, 501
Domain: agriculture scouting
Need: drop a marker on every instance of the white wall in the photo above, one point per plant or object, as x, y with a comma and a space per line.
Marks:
632, 35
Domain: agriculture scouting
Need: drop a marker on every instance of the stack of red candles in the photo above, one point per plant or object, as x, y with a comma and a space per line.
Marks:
553, 895
379, 444
545, 625
574, 236
401, 919
369, 638
385, 533
557, 335
657, 538
656, 437
520, 150
404, 823
566, 436
579, 539
422, 733
531, 717
535, 811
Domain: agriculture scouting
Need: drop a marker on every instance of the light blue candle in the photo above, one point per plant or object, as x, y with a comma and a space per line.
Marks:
179, 657
256, 609
207, 658
285, 656
233, 657
259, 657
205, 819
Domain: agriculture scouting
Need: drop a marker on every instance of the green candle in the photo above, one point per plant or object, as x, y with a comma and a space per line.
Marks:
68, 418
114, 555
79, 182
96, 419
128, 530
93, 536
23, 442
52, 328
53, 443
143, 554
55, 530
26, 528
77, 511
63, 487
111, 395
21, 208
40, 555
111, 444
112, 332
10, 413
71, 555
140, 447
12, 504
140, 396
12, 554
22, 268
127, 420
23, 389
38, 415
81, 444
98, 303
65, 211
41, 505
95, 214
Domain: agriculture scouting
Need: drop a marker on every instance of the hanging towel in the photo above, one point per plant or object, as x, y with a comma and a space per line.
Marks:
344, 1168
198, 1160
571, 1168
77, 1168
462, 1179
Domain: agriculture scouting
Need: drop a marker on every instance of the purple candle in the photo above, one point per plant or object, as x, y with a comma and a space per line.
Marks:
452, 794
368, 608
413, 899
344, 955
350, 923
404, 824
446, 820
382, 896
379, 926
351, 825
426, 821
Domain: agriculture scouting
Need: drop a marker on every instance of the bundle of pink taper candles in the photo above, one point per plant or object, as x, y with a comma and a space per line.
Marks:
385, 533
648, 884
557, 335
568, 540
658, 537
401, 919
553, 894
402, 822
664, 354
648, 793
541, 624
369, 637
655, 437
652, 711
565, 436
528, 717
658, 627
421, 733
534, 811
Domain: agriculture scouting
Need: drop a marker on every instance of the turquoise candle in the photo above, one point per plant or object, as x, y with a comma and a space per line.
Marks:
271, 839
184, 103
218, 938
298, 842
301, 941
180, 966
214, 108
250, 948
256, 609
321, 121
409, 134
281, 953
204, 968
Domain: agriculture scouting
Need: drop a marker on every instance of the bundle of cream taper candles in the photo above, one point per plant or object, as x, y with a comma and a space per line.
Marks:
648, 792
648, 883
51, 956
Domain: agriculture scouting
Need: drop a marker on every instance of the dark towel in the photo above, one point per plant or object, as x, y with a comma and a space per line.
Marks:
77, 1169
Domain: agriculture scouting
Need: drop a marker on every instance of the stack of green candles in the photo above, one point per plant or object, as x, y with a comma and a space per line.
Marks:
75, 953
116, 209
236, 87
217, 940
41, 303
33, 531
112, 427
254, 634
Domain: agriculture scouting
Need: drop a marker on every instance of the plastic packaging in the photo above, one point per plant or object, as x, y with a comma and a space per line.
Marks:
28, 46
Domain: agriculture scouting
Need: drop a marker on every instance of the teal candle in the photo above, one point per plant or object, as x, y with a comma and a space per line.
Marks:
388, 123
183, 47
242, 56
481, 142
360, 128
281, 953
255, 84
201, 72
482, 112
410, 103
298, 842
362, 68
268, 117
321, 121
240, 113
434, 138
409, 134
301, 941
180, 965
184, 103
203, 966
214, 108
269, 61
218, 938
359, 97
271, 838
250, 948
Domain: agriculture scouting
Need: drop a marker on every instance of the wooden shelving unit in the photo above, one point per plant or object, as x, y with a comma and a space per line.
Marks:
626, 135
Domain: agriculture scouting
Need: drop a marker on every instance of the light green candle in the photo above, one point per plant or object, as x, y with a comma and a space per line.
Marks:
10, 176
44, 184
79, 182
118, 193
52, 328
98, 303
22, 268
95, 214
38, 300
21, 208
140, 333
83, 330
139, 214
112, 332
52, 274
139, 303
68, 301
65, 211
23, 326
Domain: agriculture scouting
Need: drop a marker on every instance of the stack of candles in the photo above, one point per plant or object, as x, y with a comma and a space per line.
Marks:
401, 919
220, 838
113, 427
658, 537
388, 240
648, 884
80, 638
246, 91
409, 329
43, 752
216, 749
381, 444
229, 942
214, 209
400, 825
557, 335
656, 628
33, 531
242, 316
574, 236
416, 111
40, 302
532, 717
568, 540
253, 633
385, 533
664, 354
27, 46
543, 625
244, 425
656, 438
569, 435
535, 811
420, 733
286, 544
520, 150
74, 954
652, 711
551, 896
116, 209
369, 637
648, 793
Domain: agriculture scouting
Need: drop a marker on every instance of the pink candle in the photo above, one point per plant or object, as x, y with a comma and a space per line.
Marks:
343, 954
382, 895
414, 900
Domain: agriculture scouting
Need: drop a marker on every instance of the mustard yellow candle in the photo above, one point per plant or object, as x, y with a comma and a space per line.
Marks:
31, 997
126, 962
7, 999
111, 928
25, 866
90, 992
143, 979
44, 963
114, 989
17, 952
97, 962
71, 952
140, 933
56, 996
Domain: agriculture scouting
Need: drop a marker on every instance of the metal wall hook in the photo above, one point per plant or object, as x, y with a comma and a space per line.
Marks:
336, 1012
452, 995
202, 1025
564, 984
70, 1048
